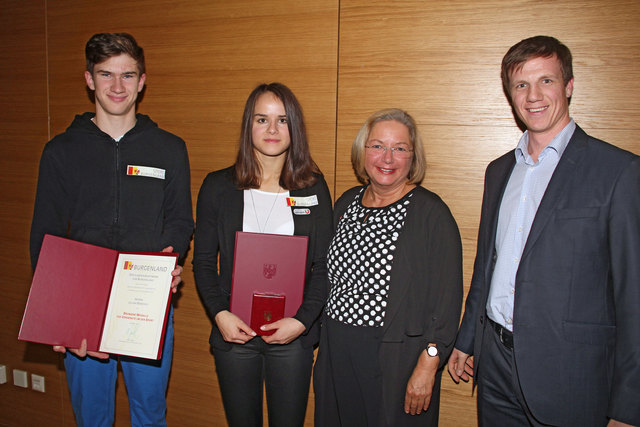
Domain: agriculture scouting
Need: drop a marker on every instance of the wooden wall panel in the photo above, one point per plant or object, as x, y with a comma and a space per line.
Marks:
203, 58
440, 61
344, 59
23, 130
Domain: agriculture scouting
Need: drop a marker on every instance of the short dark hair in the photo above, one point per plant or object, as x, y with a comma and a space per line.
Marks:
299, 168
103, 46
535, 47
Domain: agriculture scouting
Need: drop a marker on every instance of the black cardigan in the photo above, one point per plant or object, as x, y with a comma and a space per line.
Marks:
219, 215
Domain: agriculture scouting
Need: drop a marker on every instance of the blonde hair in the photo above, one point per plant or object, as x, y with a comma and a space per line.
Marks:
418, 161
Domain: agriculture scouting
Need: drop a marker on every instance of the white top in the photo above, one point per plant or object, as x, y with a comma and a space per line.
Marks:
266, 212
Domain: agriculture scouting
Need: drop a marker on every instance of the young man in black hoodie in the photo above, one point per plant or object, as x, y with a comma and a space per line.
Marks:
115, 179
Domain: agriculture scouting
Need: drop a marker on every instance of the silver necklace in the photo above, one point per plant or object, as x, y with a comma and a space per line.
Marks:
255, 211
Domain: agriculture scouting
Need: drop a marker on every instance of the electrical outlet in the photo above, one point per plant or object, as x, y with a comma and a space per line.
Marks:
20, 378
3, 374
37, 382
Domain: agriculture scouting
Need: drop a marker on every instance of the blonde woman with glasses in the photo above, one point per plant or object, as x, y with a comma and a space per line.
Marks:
395, 276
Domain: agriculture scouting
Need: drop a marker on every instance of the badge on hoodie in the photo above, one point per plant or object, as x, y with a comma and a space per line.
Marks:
145, 171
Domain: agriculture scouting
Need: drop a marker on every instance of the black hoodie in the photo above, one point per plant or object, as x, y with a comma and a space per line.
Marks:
96, 190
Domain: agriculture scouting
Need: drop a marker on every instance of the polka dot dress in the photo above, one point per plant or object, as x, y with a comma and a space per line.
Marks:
360, 260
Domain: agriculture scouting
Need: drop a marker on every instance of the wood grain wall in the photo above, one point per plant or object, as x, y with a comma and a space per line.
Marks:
344, 59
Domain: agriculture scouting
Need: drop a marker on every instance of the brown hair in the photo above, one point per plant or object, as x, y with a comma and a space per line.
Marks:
418, 162
535, 47
299, 168
103, 46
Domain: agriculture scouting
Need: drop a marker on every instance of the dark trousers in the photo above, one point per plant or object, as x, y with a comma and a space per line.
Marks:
500, 399
348, 386
285, 371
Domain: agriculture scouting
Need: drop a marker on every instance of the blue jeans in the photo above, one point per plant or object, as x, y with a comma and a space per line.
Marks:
92, 384
286, 372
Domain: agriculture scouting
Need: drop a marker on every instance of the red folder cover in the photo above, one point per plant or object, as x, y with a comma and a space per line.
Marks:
267, 264
70, 293
266, 308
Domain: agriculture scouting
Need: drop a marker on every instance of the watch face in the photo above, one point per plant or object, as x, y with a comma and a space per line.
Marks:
432, 351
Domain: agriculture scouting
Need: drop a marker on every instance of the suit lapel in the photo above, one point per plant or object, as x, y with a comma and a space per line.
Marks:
559, 185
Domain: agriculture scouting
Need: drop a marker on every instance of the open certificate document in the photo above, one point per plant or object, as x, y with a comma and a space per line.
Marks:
118, 301
138, 305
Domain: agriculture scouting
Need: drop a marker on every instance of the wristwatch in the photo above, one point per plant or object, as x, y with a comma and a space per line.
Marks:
432, 350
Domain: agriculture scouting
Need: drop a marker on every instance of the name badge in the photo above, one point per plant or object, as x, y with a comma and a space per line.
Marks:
145, 171
302, 201
302, 211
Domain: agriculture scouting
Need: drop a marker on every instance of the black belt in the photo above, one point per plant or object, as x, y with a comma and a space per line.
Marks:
505, 335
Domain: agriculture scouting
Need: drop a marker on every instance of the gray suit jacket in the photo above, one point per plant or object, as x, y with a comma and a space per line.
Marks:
577, 301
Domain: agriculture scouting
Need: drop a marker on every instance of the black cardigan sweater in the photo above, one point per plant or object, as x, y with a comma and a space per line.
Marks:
219, 215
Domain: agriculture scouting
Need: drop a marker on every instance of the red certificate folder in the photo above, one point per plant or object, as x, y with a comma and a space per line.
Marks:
76, 283
267, 264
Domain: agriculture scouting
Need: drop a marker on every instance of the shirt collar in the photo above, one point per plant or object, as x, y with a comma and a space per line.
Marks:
558, 144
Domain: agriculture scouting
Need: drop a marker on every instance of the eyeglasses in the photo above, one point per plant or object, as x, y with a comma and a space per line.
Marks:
399, 151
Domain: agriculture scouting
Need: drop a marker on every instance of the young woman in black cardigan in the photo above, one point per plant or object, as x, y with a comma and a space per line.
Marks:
273, 165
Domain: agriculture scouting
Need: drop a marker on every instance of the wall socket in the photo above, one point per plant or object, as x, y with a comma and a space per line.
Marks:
20, 378
37, 382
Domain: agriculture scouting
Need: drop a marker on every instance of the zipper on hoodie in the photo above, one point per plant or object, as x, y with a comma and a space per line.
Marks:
116, 213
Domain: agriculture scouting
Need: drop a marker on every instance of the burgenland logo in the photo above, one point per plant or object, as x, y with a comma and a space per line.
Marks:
132, 170
269, 270
128, 265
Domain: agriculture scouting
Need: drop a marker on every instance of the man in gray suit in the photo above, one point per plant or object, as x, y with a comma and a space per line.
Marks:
552, 318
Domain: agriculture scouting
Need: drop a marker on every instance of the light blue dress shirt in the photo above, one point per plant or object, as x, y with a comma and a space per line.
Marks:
525, 189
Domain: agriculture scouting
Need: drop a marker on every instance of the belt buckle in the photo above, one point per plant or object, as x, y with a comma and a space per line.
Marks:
501, 334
